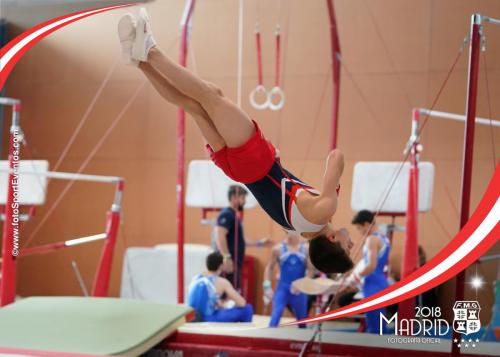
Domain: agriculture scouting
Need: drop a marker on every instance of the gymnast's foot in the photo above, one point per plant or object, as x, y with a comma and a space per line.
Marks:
144, 39
126, 33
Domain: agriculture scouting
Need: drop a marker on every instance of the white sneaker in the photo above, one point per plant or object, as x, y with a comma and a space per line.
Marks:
126, 33
144, 40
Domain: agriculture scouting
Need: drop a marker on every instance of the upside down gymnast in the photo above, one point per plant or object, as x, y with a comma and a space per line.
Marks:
237, 145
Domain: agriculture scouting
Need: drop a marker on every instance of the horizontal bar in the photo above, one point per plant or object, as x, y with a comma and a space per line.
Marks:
9, 101
51, 247
83, 240
23, 217
490, 20
457, 117
392, 214
69, 176
490, 257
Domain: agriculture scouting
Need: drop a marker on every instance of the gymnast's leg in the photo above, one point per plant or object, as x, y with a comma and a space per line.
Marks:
280, 301
233, 124
171, 94
235, 314
299, 306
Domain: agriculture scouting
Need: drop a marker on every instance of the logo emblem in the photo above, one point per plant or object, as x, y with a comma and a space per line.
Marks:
466, 320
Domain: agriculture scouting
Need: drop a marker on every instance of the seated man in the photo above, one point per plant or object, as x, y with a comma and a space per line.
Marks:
291, 256
239, 148
372, 277
206, 289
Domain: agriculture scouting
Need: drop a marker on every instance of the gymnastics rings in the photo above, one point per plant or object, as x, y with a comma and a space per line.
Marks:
274, 104
274, 99
259, 91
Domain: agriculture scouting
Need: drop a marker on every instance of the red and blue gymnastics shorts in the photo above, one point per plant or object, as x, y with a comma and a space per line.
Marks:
249, 162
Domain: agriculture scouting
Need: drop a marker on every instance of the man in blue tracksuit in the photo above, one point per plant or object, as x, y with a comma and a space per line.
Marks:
292, 257
372, 278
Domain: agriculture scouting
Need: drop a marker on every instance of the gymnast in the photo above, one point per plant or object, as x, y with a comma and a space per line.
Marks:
291, 257
372, 278
237, 145
206, 289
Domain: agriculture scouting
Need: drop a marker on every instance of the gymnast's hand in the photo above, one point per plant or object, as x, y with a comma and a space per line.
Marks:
228, 265
264, 242
268, 292
294, 290
268, 296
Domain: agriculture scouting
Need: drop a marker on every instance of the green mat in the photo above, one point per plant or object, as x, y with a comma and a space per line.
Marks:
105, 326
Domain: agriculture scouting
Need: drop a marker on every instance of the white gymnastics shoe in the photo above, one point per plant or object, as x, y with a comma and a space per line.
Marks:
126, 33
144, 40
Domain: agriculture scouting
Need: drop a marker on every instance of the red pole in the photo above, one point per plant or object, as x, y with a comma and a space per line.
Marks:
10, 247
181, 119
103, 274
335, 47
406, 309
475, 45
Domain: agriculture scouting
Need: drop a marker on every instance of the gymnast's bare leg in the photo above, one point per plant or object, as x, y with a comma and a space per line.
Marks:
233, 124
171, 94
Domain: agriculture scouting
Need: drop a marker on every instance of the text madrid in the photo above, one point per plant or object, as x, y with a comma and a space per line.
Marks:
414, 327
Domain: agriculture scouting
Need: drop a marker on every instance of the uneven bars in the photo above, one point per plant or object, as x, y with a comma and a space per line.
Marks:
489, 257
69, 176
47, 248
9, 101
457, 117
490, 20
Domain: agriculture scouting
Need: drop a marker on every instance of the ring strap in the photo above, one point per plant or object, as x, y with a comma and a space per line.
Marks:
259, 54
277, 35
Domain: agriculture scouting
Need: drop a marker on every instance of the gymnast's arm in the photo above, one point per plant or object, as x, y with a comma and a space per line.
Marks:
232, 294
221, 233
325, 205
268, 272
310, 267
372, 244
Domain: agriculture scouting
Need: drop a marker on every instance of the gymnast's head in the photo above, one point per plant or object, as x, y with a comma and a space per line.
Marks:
330, 251
214, 262
364, 221
236, 196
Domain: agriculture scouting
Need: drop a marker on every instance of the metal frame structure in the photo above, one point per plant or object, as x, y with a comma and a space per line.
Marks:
11, 228
336, 56
470, 119
410, 263
470, 110
181, 143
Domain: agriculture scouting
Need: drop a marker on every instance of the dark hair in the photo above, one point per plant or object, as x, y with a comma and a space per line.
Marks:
363, 216
235, 190
329, 257
214, 261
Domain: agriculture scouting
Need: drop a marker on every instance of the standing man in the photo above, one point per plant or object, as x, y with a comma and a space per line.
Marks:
292, 258
230, 235
372, 277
